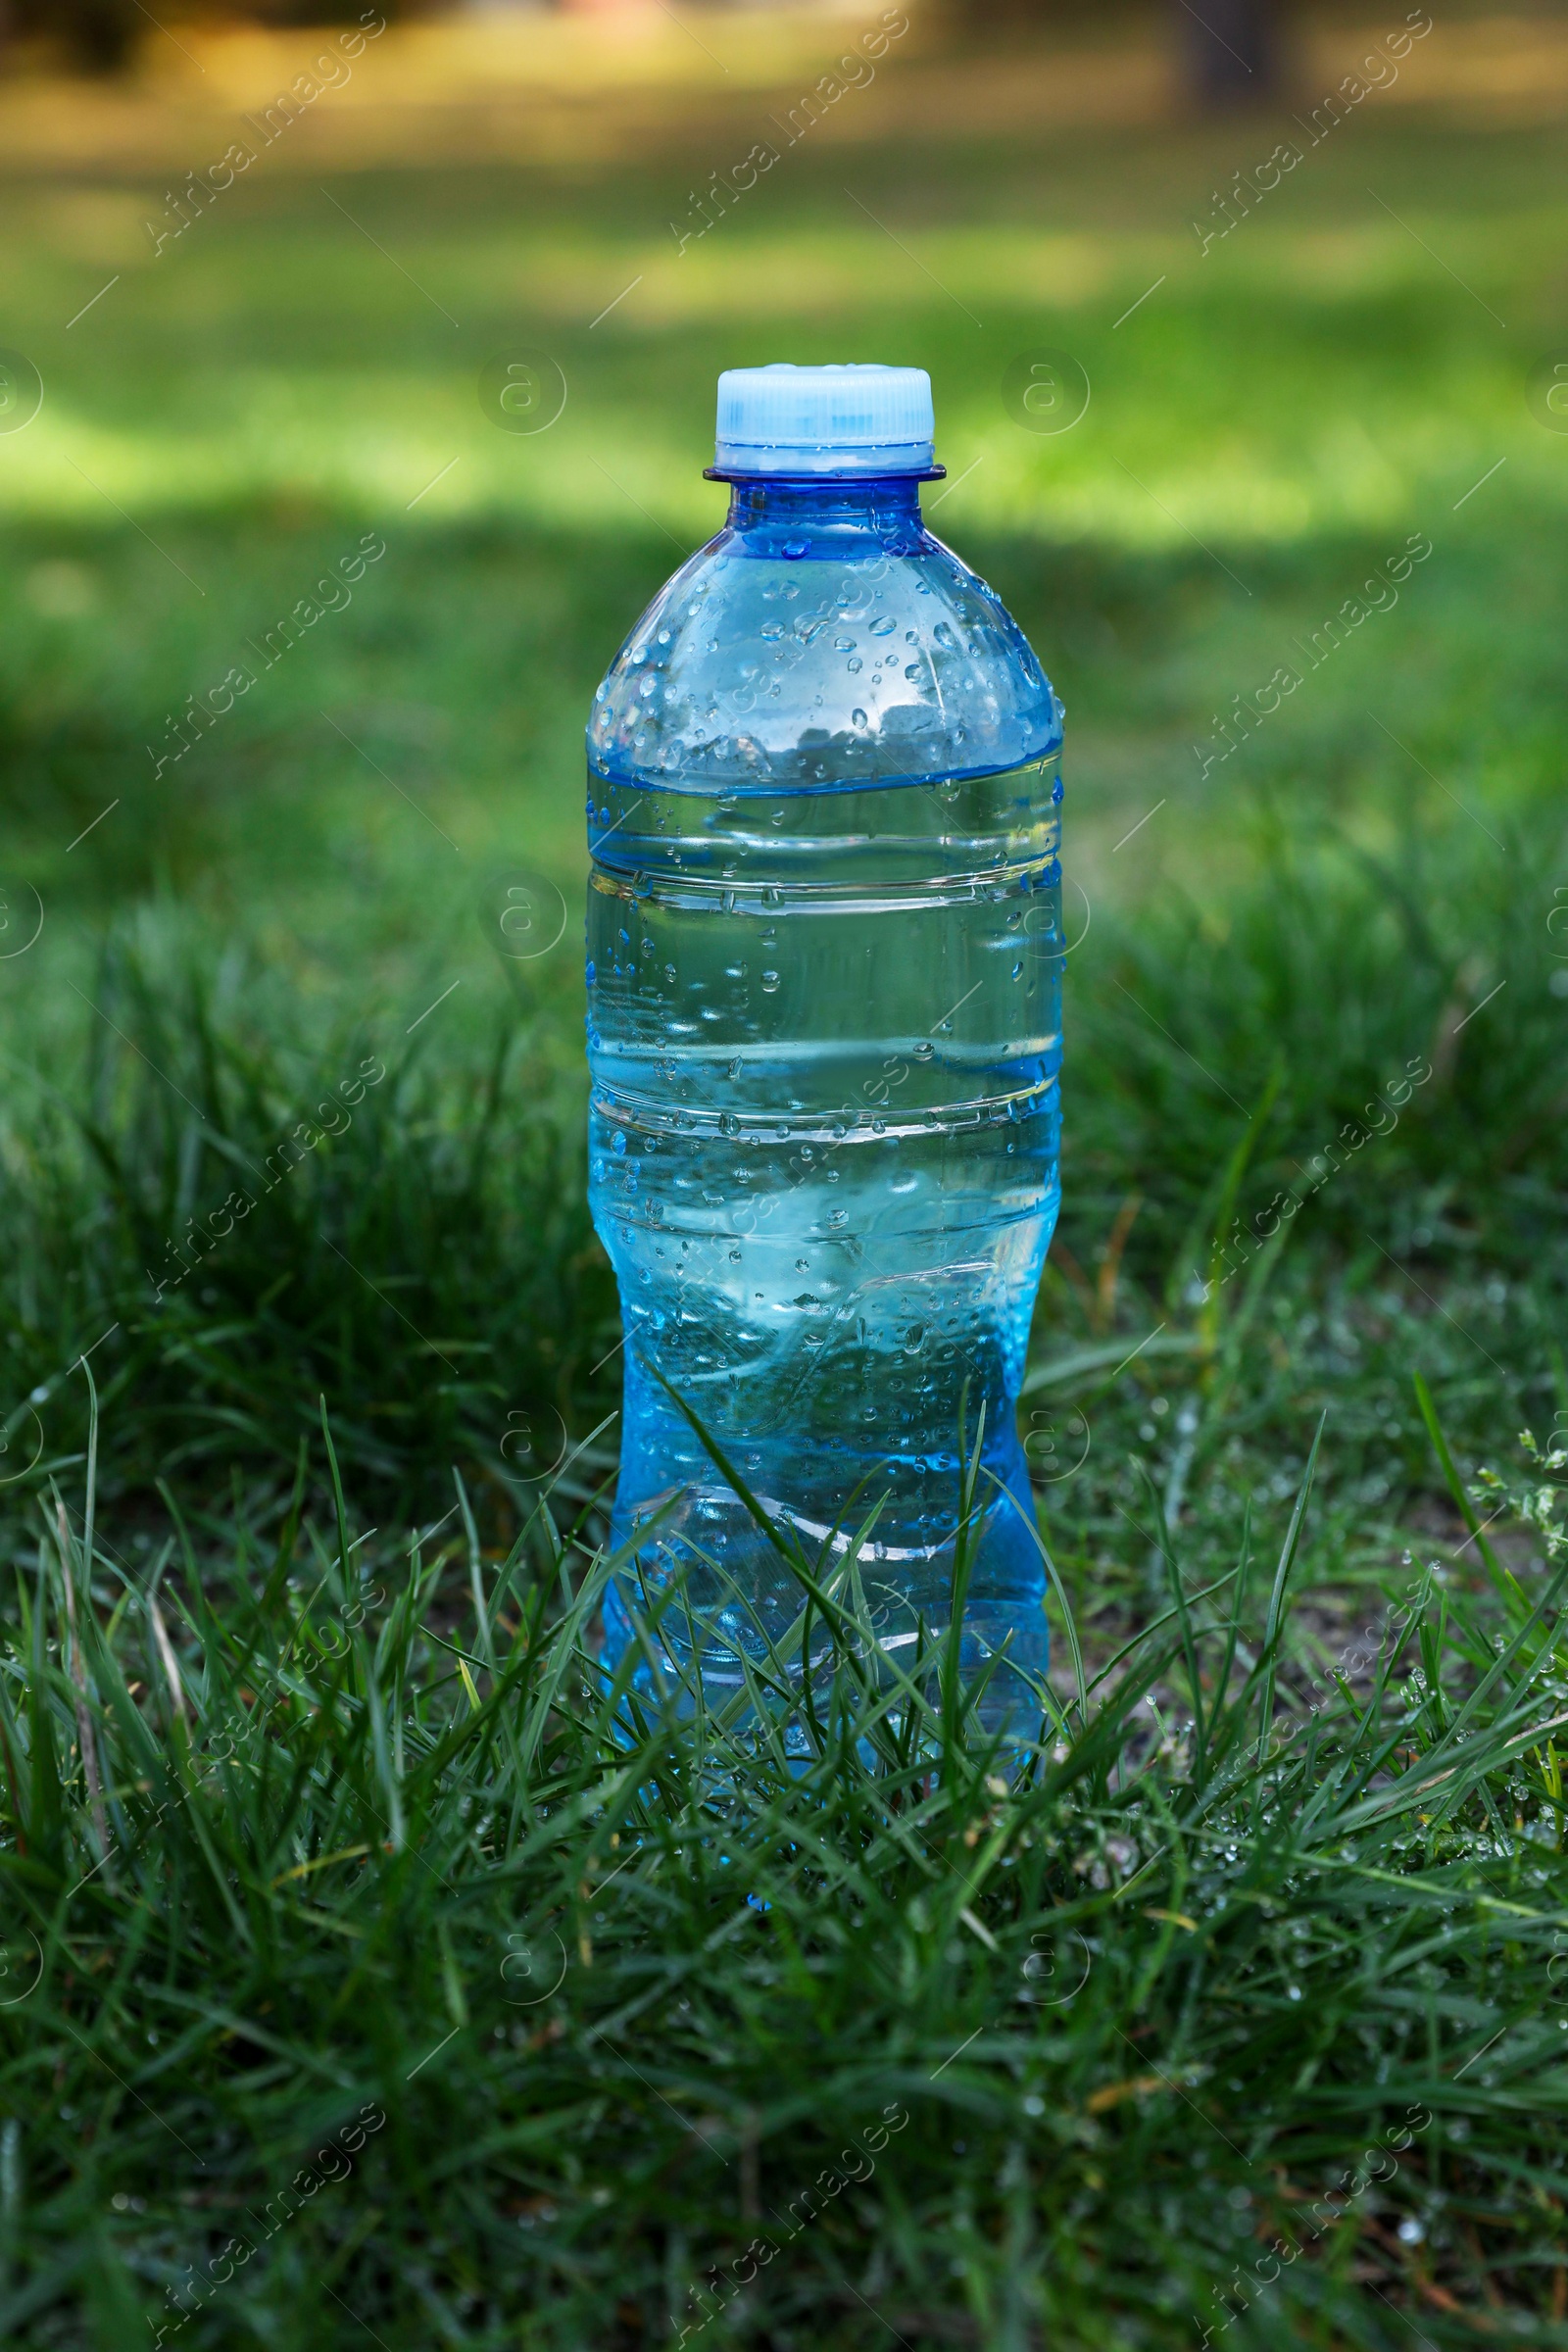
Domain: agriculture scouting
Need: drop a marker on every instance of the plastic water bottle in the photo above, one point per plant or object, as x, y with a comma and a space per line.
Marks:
824, 960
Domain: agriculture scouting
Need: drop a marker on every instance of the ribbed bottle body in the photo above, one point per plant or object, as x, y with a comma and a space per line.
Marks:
824, 1039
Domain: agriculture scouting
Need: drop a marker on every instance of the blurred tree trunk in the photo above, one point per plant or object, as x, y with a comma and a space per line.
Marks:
97, 34
1231, 50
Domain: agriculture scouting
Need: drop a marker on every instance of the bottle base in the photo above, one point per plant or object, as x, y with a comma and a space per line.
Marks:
710, 1600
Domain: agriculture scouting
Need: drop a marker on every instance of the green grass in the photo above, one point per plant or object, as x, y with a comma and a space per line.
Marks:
1084, 2039
365, 1783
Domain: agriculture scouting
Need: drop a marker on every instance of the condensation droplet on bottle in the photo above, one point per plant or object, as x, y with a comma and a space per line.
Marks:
770, 983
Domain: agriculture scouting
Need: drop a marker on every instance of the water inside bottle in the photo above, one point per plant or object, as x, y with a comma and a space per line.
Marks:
824, 1030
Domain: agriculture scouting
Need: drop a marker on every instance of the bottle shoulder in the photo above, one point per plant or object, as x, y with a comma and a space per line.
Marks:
807, 665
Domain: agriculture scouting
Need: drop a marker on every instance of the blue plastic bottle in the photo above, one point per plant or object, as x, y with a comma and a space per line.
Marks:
824, 962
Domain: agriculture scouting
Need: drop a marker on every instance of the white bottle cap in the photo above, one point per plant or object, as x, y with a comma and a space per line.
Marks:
847, 420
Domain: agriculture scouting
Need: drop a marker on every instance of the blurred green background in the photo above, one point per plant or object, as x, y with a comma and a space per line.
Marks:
1271, 421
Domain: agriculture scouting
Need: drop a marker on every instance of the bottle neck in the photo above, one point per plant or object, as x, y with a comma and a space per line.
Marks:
885, 506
